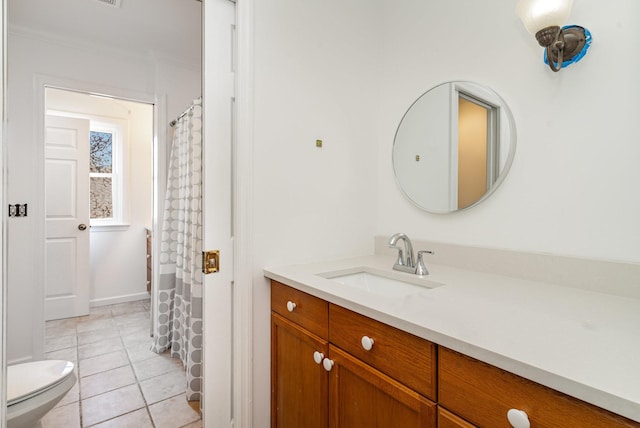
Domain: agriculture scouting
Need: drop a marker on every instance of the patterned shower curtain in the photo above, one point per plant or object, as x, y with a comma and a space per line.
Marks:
179, 294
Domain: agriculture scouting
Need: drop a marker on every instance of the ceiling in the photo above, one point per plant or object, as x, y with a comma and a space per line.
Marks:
161, 28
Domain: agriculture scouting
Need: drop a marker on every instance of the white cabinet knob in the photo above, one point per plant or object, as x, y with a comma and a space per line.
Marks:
291, 306
518, 418
327, 364
317, 357
367, 343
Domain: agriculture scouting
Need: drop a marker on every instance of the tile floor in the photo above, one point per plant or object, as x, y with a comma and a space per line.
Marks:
121, 383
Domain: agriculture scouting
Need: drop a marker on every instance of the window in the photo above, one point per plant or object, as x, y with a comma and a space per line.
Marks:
105, 173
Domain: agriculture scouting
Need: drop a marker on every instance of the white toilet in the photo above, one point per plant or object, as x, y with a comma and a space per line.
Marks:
34, 388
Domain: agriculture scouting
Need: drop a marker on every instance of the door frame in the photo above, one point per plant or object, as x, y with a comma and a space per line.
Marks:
3, 228
243, 399
479, 96
41, 82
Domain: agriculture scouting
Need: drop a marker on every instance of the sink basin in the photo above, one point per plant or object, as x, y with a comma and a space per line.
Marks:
386, 284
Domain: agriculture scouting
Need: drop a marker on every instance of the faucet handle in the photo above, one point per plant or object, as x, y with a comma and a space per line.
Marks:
421, 269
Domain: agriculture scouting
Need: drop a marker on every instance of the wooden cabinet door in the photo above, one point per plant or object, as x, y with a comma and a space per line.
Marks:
361, 396
299, 386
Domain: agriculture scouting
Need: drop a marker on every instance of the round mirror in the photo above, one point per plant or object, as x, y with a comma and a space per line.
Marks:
453, 147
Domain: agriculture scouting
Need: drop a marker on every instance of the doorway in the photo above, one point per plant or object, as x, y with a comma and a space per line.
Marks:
154, 57
477, 149
98, 206
160, 80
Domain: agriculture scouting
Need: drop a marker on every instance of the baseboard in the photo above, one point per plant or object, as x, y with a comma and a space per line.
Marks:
20, 360
119, 299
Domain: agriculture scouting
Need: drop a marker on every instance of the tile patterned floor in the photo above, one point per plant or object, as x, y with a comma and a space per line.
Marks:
121, 383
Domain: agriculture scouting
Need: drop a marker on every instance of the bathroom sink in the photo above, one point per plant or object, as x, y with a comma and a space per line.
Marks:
384, 284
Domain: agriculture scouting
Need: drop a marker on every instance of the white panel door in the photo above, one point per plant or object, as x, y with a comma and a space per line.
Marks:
218, 90
66, 217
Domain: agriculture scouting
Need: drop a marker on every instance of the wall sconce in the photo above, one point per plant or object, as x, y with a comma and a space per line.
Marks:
543, 18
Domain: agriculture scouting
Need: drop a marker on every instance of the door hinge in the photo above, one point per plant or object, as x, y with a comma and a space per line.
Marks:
210, 261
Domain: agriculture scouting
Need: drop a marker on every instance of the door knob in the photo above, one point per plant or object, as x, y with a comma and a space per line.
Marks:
82, 226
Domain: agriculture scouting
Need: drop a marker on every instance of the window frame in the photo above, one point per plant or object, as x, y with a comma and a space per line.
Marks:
117, 171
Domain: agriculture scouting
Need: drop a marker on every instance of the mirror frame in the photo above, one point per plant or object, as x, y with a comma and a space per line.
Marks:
505, 112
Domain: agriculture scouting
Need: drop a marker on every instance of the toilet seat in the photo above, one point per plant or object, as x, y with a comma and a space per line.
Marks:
29, 379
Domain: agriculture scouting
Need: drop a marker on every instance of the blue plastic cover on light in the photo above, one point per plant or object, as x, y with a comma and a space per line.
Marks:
582, 53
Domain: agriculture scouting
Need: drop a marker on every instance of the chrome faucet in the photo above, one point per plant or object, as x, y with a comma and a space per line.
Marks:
405, 261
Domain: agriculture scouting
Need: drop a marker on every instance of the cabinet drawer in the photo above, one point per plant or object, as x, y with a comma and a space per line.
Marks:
401, 355
303, 309
483, 394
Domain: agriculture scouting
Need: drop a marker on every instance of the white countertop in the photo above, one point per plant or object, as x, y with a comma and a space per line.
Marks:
583, 343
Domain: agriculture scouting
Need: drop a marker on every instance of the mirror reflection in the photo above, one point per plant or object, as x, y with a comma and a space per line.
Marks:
453, 147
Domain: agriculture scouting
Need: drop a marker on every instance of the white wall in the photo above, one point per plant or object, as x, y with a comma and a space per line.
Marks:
182, 85
118, 257
315, 78
347, 72
572, 189
109, 71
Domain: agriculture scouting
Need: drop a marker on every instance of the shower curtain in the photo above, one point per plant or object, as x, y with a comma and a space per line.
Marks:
179, 293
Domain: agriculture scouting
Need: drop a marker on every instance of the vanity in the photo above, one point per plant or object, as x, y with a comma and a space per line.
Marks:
455, 348
457, 337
